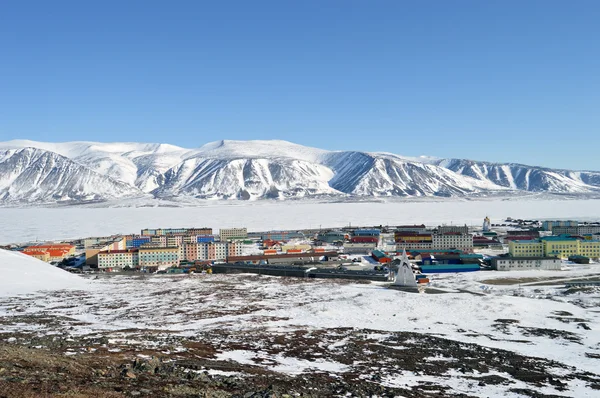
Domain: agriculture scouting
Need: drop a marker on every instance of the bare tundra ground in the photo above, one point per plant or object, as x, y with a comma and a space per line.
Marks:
256, 336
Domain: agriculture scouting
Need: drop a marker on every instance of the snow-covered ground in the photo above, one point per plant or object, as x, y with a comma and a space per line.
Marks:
22, 274
535, 321
20, 225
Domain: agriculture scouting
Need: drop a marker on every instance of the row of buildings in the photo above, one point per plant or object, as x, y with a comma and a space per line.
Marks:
563, 246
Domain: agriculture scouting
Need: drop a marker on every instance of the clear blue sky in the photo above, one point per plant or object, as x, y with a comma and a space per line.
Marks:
490, 80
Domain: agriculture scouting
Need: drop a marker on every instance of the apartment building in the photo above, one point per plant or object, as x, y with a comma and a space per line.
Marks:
526, 248
158, 257
442, 229
562, 246
452, 240
218, 251
176, 231
118, 259
51, 252
549, 225
91, 253
226, 234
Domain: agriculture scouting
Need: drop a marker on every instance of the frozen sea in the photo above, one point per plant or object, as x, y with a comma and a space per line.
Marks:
29, 224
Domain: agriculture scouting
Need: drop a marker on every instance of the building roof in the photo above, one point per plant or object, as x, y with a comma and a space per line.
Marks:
559, 238
527, 241
524, 258
36, 253
120, 251
411, 226
51, 246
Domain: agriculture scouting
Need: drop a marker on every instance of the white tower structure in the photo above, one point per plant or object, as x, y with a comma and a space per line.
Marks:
405, 275
487, 224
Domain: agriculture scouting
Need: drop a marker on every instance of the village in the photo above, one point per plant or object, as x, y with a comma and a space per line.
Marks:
372, 253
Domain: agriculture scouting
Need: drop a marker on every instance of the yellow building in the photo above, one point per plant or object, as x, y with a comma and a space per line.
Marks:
559, 246
589, 248
526, 248
40, 255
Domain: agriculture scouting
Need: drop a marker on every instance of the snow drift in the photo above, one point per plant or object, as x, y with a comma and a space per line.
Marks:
22, 274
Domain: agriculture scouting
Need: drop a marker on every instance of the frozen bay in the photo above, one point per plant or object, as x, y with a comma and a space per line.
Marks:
26, 224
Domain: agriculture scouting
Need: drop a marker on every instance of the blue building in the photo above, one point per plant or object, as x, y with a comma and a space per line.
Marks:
205, 238
367, 232
138, 241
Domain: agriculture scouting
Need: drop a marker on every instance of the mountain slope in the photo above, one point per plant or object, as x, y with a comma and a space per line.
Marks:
526, 178
36, 175
37, 172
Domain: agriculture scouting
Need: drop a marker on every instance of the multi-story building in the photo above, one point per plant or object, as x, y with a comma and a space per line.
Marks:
526, 248
118, 259
67, 248
218, 251
562, 246
579, 230
452, 240
442, 229
525, 263
226, 234
158, 257
404, 237
548, 225
282, 236
91, 253
137, 241
419, 229
210, 251
174, 231
42, 255
54, 252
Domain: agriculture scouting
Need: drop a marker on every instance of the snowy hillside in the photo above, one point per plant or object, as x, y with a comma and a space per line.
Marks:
22, 274
38, 172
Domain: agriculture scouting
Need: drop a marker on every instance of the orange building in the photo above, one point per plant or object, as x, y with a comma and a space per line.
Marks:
40, 255
55, 252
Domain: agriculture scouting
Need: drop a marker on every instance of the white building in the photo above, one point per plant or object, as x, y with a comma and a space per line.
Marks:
226, 234
452, 240
525, 263
359, 248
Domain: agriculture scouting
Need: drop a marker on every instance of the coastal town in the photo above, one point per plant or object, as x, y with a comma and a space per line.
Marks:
365, 252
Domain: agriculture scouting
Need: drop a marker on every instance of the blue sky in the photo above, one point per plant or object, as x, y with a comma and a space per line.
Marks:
500, 81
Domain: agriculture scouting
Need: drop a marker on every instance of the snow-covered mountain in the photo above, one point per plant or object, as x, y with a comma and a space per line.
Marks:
38, 172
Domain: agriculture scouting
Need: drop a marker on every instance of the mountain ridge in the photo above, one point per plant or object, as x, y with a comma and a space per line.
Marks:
260, 169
